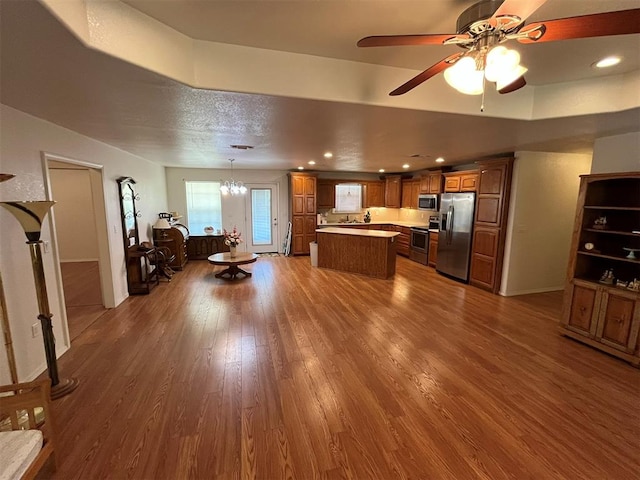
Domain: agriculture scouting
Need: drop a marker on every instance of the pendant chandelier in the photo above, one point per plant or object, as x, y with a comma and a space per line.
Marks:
231, 187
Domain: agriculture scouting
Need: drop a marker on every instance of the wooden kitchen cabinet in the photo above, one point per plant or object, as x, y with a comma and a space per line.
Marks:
393, 192
403, 240
433, 249
605, 316
435, 183
374, 194
490, 222
466, 181
303, 212
410, 192
326, 194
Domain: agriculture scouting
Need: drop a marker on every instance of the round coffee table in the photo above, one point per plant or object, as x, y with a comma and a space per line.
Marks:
225, 259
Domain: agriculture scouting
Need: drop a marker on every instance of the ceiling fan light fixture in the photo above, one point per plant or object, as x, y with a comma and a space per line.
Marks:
507, 78
464, 77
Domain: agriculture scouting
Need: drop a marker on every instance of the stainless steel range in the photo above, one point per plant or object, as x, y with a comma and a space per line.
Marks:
419, 245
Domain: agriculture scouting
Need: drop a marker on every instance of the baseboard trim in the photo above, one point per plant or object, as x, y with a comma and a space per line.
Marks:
531, 291
80, 260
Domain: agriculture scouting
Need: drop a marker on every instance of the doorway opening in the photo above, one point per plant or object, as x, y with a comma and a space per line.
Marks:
79, 234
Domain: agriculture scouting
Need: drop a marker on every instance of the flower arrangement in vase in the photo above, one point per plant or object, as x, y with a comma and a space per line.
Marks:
232, 239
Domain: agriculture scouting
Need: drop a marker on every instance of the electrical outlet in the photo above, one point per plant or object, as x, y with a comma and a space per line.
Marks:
35, 330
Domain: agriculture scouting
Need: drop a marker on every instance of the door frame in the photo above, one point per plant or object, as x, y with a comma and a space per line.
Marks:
275, 206
99, 210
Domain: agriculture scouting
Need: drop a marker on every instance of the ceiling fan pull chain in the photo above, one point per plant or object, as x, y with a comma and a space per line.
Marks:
484, 84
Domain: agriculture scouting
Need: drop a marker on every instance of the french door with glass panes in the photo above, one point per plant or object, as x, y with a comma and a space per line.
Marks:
262, 221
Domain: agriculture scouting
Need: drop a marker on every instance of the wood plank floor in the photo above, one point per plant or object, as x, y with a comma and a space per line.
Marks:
82, 295
301, 372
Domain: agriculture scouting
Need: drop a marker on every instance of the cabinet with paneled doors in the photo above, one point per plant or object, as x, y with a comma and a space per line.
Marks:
433, 249
432, 182
410, 192
373, 194
303, 212
325, 194
466, 181
393, 191
490, 222
602, 300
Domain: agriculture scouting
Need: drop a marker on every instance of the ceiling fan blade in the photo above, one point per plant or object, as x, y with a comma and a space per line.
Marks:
520, 8
399, 40
622, 22
513, 86
427, 74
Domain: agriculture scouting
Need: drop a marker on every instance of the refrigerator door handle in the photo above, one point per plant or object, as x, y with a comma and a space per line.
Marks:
450, 225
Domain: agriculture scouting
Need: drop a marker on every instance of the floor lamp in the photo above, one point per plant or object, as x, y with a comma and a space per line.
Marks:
30, 216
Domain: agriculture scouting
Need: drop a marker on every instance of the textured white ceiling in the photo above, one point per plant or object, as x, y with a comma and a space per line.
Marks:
46, 72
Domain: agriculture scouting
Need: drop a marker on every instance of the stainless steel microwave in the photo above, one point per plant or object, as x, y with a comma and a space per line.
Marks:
428, 202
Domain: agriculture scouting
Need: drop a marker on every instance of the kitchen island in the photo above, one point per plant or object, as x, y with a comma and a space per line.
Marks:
367, 252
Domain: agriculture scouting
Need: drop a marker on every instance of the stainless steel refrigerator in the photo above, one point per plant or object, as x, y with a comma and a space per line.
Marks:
456, 229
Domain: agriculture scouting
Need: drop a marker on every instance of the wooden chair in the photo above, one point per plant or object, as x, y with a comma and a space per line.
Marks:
161, 258
18, 404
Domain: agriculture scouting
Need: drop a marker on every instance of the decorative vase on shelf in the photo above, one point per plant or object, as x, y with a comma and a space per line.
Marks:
232, 251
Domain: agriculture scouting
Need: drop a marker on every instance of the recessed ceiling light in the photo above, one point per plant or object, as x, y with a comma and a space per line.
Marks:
328, 155
381, 170
311, 162
607, 62
406, 165
439, 160
300, 168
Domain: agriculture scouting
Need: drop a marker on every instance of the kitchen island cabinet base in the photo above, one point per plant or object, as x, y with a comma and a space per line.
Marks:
371, 253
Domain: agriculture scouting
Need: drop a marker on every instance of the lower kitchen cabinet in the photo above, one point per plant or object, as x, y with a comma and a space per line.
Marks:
433, 249
603, 316
402, 248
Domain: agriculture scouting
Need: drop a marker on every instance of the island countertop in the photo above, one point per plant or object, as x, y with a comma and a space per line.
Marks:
400, 223
358, 232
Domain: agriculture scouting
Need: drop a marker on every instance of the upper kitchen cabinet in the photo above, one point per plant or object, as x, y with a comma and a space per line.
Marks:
303, 211
431, 182
489, 232
602, 302
466, 181
326, 194
393, 192
410, 192
374, 194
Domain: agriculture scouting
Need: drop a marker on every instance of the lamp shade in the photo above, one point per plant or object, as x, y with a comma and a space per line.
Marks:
162, 224
30, 215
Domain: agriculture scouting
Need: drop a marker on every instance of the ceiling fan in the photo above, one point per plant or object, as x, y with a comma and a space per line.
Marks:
481, 29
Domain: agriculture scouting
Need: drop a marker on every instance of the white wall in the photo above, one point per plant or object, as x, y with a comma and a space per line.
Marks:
233, 208
75, 222
618, 153
544, 192
23, 138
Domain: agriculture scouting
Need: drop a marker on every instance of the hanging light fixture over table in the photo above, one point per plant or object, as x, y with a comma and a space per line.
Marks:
231, 187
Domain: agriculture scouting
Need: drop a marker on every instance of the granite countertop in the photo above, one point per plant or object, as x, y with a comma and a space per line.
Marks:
401, 223
358, 232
